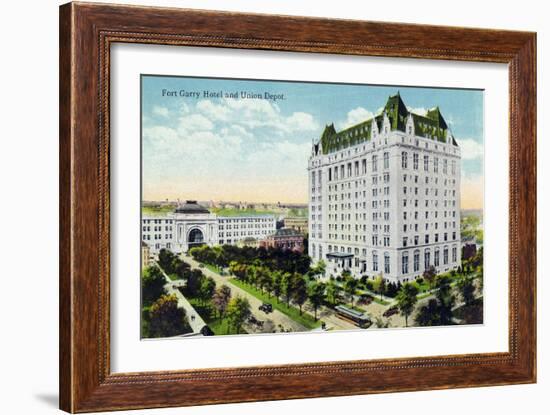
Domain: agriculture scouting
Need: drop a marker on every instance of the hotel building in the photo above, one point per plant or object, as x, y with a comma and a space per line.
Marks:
192, 224
384, 196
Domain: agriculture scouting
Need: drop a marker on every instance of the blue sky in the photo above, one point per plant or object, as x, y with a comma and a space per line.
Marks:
234, 148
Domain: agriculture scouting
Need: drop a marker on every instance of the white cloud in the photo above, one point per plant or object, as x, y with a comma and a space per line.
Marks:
216, 112
470, 149
301, 121
355, 116
255, 113
161, 111
236, 129
195, 122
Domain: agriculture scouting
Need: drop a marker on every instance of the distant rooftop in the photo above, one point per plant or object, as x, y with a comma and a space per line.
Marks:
287, 232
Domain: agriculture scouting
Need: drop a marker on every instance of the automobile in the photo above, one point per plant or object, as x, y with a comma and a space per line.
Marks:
391, 311
266, 308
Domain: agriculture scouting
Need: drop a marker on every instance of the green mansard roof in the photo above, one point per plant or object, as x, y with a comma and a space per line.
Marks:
431, 125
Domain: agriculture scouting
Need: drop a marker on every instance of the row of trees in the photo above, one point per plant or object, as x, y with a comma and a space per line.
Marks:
274, 259
439, 310
197, 285
287, 286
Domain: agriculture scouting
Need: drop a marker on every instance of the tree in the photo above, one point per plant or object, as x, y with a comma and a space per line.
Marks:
239, 270
152, 285
299, 290
467, 289
319, 269
251, 275
206, 289
379, 285
286, 287
221, 298
316, 296
263, 278
406, 300
350, 287
429, 275
445, 299
428, 315
194, 281
165, 260
166, 319
276, 283
238, 311
332, 292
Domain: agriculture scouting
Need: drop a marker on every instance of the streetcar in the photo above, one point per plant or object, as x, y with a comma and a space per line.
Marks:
353, 316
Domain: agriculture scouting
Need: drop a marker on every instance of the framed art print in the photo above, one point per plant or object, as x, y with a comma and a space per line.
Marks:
253, 209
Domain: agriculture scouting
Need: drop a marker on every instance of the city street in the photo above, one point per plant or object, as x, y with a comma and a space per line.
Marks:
276, 316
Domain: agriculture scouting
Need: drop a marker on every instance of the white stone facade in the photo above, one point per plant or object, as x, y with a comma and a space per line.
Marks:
389, 203
179, 231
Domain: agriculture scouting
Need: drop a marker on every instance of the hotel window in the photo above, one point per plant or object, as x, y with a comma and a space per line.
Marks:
416, 261
386, 263
405, 263
436, 257
445, 256
374, 162
426, 259
436, 165
405, 242
404, 160
444, 166
426, 238
374, 261
386, 160
357, 168
415, 161
426, 162
454, 253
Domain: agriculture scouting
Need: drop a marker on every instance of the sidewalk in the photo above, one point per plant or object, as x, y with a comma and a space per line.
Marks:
195, 320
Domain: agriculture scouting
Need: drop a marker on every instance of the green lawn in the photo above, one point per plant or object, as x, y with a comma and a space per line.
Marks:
220, 326
294, 313
156, 210
423, 295
174, 277
213, 268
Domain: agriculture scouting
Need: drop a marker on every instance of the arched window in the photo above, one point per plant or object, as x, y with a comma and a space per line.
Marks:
405, 263
416, 261
404, 159
386, 263
426, 258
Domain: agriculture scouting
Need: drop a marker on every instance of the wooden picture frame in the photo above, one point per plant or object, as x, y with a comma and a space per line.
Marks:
86, 33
